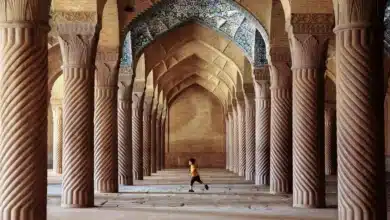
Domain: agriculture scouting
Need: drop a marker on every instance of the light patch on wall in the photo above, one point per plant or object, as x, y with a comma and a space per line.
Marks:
196, 129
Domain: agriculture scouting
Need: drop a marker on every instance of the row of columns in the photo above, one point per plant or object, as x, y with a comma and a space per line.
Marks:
23, 116
302, 129
138, 155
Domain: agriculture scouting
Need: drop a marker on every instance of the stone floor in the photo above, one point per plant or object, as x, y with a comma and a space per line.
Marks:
165, 196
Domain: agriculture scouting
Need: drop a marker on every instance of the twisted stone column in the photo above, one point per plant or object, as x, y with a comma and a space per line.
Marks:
329, 140
241, 137
23, 109
263, 108
106, 126
57, 136
227, 141
147, 136
231, 139
125, 152
308, 58
158, 140
78, 45
250, 112
280, 133
163, 142
361, 173
235, 139
137, 134
153, 160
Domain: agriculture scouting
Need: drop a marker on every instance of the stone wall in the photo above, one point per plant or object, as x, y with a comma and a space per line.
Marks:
196, 129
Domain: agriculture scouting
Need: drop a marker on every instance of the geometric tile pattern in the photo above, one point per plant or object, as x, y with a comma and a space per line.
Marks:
387, 28
223, 16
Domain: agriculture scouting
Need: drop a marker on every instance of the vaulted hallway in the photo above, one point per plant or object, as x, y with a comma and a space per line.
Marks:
111, 108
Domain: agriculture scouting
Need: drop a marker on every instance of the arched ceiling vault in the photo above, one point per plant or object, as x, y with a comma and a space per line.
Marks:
176, 91
196, 39
224, 16
195, 64
203, 75
217, 85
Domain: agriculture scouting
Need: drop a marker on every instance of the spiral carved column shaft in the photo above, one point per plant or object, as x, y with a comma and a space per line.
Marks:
58, 138
227, 144
361, 188
230, 141
329, 142
280, 133
78, 43
106, 148
308, 99
308, 176
153, 163
235, 141
147, 137
250, 112
263, 107
163, 143
23, 112
158, 141
106, 126
137, 135
241, 138
125, 151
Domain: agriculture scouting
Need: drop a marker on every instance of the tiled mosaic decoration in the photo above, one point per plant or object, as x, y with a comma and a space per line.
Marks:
127, 56
387, 28
223, 16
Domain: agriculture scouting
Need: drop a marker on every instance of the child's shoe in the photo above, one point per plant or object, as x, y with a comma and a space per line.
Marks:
206, 187
191, 190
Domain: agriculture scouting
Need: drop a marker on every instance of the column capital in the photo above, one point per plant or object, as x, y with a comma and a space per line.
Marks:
262, 73
249, 90
78, 44
280, 76
106, 74
308, 51
240, 100
137, 100
125, 82
314, 24
148, 101
279, 54
309, 35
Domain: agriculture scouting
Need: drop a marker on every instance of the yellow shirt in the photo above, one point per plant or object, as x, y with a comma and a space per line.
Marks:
194, 170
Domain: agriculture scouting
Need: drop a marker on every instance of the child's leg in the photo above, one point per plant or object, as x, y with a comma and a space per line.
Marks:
201, 182
193, 179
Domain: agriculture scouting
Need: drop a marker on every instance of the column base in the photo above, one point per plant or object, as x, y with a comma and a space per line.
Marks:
107, 193
304, 206
279, 193
76, 206
127, 181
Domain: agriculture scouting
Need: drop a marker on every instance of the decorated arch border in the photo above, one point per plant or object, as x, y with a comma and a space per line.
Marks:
223, 16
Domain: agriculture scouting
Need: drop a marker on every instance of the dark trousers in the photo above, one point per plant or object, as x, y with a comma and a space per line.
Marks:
196, 179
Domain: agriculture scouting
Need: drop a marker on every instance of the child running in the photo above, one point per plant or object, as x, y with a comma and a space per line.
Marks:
195, 175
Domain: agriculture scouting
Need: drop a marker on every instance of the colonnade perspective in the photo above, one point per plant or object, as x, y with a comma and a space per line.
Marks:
109, 130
